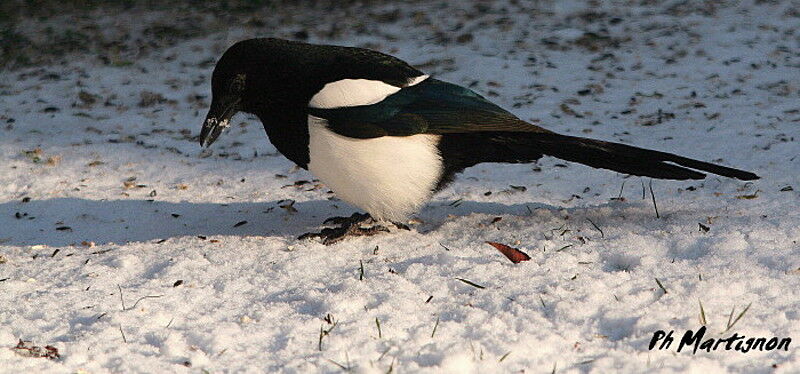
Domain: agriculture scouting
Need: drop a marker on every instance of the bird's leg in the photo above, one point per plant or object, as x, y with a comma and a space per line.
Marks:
348, 226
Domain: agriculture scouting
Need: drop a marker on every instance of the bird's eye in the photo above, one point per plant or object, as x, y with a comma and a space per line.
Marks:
237, 86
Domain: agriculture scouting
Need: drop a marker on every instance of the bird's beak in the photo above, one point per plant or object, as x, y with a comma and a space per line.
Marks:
218, 118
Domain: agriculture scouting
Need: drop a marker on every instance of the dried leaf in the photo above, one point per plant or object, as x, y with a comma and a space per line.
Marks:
748, 197
289, 206
515, 255
53, 160
567, 110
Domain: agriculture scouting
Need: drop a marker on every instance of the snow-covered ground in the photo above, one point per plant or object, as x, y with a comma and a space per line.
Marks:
127, 249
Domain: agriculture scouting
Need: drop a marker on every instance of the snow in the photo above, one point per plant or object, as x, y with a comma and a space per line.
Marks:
131, 254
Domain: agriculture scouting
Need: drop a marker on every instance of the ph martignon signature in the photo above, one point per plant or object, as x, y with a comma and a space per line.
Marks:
734, 342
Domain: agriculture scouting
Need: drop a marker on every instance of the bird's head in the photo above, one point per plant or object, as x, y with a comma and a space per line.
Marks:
276, 79
226, 101
228, 87
235, 76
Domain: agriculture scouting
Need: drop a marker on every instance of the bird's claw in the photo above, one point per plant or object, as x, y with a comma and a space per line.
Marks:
350, 226
336, 234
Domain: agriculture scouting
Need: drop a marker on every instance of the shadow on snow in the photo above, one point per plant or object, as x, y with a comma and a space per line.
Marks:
65, 221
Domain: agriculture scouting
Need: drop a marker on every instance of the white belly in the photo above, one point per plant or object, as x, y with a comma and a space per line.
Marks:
389, 177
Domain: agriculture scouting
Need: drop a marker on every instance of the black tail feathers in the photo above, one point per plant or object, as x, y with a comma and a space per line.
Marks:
626, 159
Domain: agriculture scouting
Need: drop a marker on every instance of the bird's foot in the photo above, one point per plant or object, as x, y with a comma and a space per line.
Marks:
333, 235
348, 226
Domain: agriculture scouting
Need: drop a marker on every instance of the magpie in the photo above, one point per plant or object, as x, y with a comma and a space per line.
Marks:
384, 136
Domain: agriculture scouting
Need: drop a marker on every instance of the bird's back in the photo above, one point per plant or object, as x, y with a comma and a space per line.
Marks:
303, 63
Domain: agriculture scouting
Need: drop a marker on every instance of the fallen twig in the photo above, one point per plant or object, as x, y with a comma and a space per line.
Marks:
471, 283
654, 198
602, 235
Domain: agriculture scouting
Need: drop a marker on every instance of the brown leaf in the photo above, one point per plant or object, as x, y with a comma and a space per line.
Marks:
515, 255
26, 349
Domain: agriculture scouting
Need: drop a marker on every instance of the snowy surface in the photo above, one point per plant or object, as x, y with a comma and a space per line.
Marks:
103, 188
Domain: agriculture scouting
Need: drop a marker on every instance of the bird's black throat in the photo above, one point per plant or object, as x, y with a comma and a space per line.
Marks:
287, 130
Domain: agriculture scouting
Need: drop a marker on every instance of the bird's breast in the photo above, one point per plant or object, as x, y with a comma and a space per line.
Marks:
390, 177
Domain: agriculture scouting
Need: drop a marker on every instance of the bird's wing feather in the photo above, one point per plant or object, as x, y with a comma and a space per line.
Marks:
430, 107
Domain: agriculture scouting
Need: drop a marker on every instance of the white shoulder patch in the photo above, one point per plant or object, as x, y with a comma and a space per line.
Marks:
415, 80
355, 92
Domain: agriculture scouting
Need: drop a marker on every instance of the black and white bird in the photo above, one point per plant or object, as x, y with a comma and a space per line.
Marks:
384, 136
